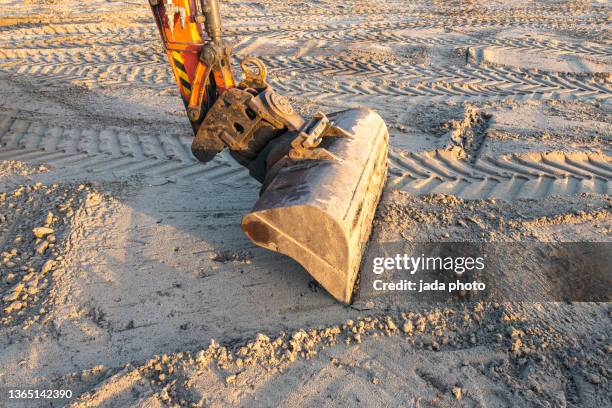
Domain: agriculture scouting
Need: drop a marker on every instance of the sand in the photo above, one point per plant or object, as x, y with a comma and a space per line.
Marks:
125, 276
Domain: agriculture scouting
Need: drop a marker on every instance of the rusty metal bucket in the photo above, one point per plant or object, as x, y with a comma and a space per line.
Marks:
320, 212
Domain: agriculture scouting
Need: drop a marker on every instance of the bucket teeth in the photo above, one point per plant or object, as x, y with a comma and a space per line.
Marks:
320, 212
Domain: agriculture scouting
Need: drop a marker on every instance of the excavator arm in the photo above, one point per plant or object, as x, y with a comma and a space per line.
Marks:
191, 36
321, 178
250, 113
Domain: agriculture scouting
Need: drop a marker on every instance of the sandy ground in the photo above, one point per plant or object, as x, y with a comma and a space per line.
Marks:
125, 276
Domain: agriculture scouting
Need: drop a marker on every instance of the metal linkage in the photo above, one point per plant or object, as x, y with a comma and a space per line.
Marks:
245, 121
306, 145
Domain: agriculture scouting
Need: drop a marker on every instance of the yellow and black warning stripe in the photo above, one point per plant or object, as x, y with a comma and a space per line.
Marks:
181, 72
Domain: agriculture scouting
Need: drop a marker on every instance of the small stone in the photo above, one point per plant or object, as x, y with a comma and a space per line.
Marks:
230, 379
536, 388
41, 232
49, 219
375, 380
13, 307
421, 326
516, 345
427, 340
408, 327
593, 378
12, 297
457, 392
512, 332
47, 266
42, 247
363, 305
19, 288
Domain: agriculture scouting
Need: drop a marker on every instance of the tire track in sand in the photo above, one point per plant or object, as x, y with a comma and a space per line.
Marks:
58, 45
111, 150
96, 151
383, 80
139, 32
507, 177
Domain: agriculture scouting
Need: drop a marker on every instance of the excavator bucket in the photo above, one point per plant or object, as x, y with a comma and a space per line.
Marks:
320, 212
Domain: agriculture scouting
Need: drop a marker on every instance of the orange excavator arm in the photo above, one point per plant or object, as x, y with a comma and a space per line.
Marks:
191, 37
